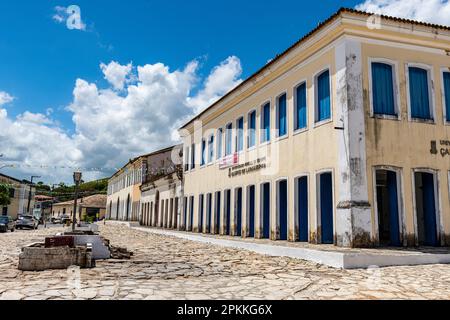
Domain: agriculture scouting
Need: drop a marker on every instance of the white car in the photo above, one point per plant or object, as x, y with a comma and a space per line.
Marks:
27, 222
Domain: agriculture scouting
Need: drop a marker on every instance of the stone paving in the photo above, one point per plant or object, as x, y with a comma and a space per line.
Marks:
170, 268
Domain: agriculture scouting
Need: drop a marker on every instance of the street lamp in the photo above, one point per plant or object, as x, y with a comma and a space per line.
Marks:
77, 180
29, 194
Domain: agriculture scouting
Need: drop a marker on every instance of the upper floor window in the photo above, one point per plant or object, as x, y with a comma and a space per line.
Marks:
186, 159
203, 159
446, 78
300, 110
419, 93
229, 139
12, 192
193, 156
323, 96
219, 143
383, 88
281, 116
265, 122
251, 129
240, 134
211, 149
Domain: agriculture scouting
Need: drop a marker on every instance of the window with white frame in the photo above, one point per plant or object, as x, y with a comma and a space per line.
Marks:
446, 94
383, 90
251, 130
211, 149
203, 155
282, 115
323, 96
229, 139
240, 134
300, 107
219, 143
420, 98
265, 122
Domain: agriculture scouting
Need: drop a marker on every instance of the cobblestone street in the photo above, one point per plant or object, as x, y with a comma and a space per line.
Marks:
170, 268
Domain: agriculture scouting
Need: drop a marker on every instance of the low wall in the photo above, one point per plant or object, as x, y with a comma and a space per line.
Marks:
38, 258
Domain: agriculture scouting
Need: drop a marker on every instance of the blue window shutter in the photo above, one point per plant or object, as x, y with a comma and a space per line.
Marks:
266, 122
252, 129
211, 149
240, 134
447, 94
383, 89
282, 122
228, 139
301, 107
219, 144
323, 96
193, 156
419, 94
203, 152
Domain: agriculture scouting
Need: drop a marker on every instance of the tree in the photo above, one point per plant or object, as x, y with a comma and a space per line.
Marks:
4, 195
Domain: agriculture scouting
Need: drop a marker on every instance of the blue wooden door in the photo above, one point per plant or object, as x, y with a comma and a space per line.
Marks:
228, 211
303, 220
191, 212
218, 210
209, 208
429, 208
201, 213
266, 210
393, 208
282, 208
251, 211
239, 212
326, 207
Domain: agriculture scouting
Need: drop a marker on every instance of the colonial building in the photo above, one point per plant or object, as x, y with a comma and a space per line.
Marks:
162, 188
124, 195
91, 208
342, 139
19, 195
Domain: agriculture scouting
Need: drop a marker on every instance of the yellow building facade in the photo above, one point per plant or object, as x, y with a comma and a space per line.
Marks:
124, 194
342, 139
19, 197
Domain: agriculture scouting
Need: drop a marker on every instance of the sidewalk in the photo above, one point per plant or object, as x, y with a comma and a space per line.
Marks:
344, 258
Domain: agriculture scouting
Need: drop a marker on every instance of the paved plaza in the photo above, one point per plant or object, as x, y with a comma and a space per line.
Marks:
165, 267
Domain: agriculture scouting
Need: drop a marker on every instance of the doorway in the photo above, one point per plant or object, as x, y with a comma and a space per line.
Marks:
282, 208
251, 210
302, 208
326, 207
426, 211
238, 210
388, 208
265, 210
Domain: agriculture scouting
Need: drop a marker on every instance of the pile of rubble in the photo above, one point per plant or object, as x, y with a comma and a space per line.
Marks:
117, 253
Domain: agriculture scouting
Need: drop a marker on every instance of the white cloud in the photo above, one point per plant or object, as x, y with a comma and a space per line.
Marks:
431, 11
116, 74
111, 126
222, 79
71, 16
5, 98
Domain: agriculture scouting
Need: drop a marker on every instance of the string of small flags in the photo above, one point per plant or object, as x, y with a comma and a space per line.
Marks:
85, 169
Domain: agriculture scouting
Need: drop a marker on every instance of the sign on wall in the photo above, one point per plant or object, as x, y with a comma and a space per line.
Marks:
443, 149
229, 161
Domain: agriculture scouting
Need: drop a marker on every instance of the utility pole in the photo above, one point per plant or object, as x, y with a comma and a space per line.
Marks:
29, 194
77, 180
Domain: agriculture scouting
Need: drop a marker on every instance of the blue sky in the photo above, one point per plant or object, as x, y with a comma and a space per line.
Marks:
122, 85
42, 59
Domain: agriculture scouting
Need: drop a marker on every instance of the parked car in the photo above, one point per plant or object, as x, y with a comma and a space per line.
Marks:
7, 223
27, 222
56, 220
65, 218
